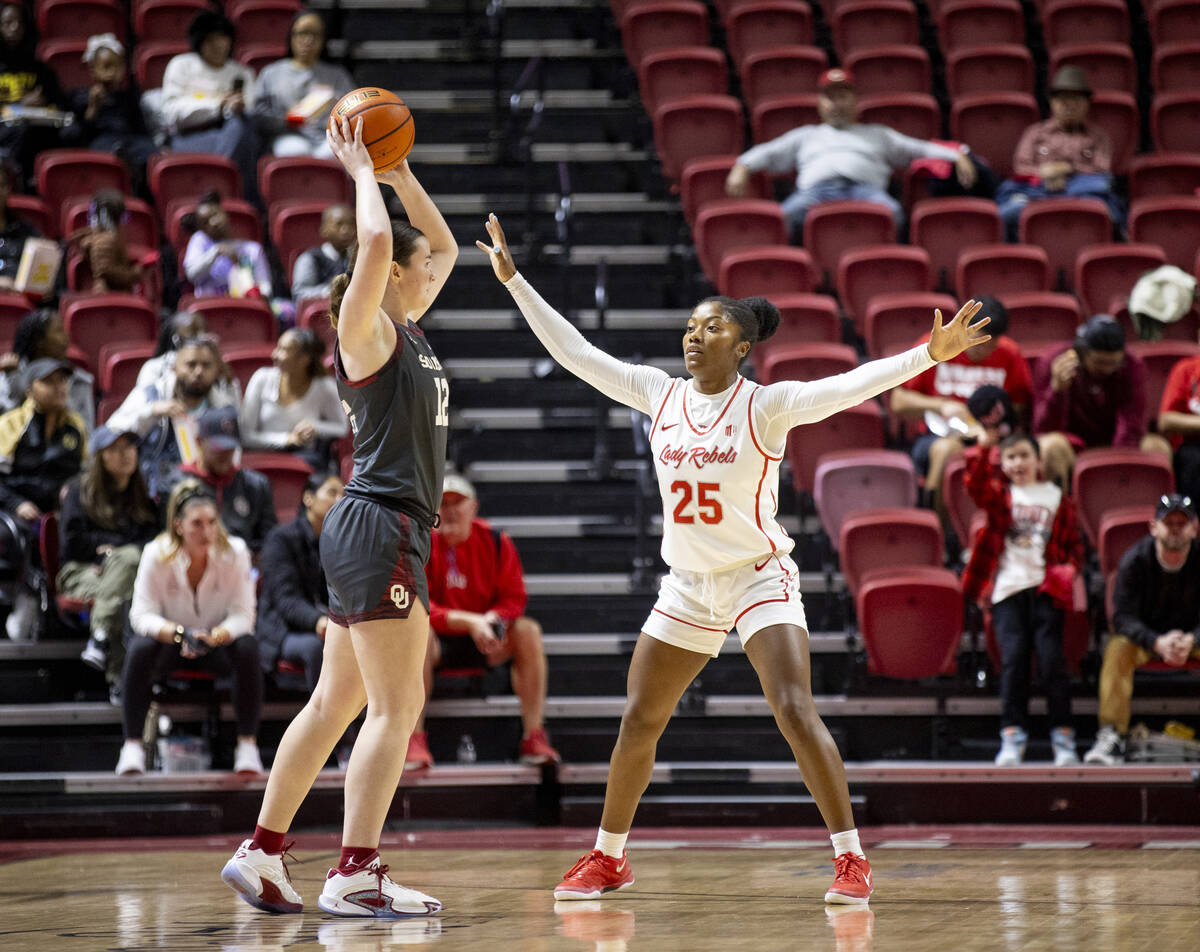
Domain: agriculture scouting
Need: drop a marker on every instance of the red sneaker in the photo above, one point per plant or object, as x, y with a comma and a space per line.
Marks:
536, 749
418, 756
851, 881
594, 876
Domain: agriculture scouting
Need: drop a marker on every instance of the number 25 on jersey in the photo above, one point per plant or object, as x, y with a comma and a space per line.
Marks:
707, 505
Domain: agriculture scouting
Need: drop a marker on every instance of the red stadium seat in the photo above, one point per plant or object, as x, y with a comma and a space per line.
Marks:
237, 321
885, 70
765, 271
765, 24
313, 313
894, 321
1176, 67
862, 24
703, 182
992, 123
771, 118
1106, 478
1175, 121
33, 211
781, 71
803, 319
1039, 317
662, 25
834, 227
66, 174
1172, 222
1001, 269
246, 359
726, 226
259, 18
984, 69
944, 226
913, 114
288, 475
1117, 114
1174, 21
119, 367
13, 307
1160, 358
91, 321
65, 57
79, 19
859, 427
1119, 529
851, 481
960, 507
666, 75
967, 23
186, 176
877, 540
294, 229
1062, 226
159, 20
258, 55
807, 361
911, 622
140, 226
697, 127
303, 179
151, 59
1164, 173
1085, 21
1108, 65
1105, 273
866, 272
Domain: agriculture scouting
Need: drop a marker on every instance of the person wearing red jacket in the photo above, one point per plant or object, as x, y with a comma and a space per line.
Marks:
476, 614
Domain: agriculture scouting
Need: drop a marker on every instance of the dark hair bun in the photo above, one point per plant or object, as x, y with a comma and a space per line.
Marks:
766, 313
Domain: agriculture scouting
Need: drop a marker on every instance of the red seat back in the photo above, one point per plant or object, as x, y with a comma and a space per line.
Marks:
766, 24
781, 71
886, 70
771, 118
79, 19
1117, 114
863, 273
303, 179
187, 176
992, 123
911, 622
294, 229
765, 271
287, 474
237, 321
724, 227
1164, 173
1171, 222
1063, 226
983, 69
851, 481
1119, 529
859, 427
803, 319
1175, 121
960, 507
244, 359
1105, 273
1108, 478
665, 75
1109, 66
151, 59
966, 23
66, 174
1085, 21
896, 320
862, 24
944, 226
912, 114
703, 181
120, 365
1174, 21
1039, 317
696, 127
91, 321
888, 538
832, 228
1159, 357
662, 25
1001, 269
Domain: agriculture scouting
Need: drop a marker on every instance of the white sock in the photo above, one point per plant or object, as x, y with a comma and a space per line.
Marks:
611, 844
846, 842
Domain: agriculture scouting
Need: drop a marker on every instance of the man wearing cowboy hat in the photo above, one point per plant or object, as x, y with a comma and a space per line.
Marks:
1063, 156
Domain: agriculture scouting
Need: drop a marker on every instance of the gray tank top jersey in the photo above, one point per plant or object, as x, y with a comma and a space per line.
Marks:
399, 417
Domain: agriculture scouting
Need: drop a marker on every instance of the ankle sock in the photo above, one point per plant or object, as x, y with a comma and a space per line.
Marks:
353, 858
611, 844
846, 842
267, 840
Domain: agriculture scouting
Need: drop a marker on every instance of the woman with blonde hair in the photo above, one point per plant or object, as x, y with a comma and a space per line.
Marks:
193, 605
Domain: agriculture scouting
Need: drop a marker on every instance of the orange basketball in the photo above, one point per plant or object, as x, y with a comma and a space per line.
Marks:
387, 124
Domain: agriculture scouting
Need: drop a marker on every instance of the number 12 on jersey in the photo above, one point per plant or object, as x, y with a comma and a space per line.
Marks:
443, 410
708, 506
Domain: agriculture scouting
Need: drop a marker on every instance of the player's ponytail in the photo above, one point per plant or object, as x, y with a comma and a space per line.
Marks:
337, 291
765, 313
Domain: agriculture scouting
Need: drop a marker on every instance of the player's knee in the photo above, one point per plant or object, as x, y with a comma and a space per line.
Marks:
642, 722
795, 707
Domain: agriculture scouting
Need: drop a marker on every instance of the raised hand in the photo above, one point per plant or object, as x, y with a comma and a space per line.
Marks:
348, 146
501, 257
951, 339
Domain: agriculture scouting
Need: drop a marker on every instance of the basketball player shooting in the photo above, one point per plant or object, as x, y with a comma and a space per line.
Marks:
717, 440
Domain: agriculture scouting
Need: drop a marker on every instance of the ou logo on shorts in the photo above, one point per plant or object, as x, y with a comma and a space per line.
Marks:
399, 596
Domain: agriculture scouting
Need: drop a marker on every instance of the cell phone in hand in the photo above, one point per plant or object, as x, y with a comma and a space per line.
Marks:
193, 642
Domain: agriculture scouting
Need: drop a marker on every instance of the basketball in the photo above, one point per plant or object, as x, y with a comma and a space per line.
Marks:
387, 124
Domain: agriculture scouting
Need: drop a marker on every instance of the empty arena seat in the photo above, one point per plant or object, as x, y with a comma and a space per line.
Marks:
1062, 226
884, 70
960, 507
1119, 529
765, 271
863, 273
119, 365
765, 24
79, 19
65, 58
697, 127
808, 361
875, 539
1172, 222
1175, 121
295, 228
237, 320
894, 321
287, 474
858, 427
944, 226
781, 71
911, 622
1117, 114
992, 123
1174, 21
1164, 173
244, 359
66, 174
1001, 269
724, 226
984, 69
665, 75
13, 307
662, 25
1105, 273
1109, 478
91, 321
1108, 65
158, 20
32, 210
850, 481
313, 313
862, 24
834, 227
803, 319
1041, 317
187, 176
259, 18
967, 23
139, 226
302, 178
1085, 21
703, 181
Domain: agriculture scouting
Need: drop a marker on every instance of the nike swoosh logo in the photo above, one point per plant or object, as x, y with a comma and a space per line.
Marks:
667, 426
621, 866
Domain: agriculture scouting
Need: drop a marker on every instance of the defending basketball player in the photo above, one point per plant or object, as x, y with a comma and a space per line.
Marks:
374, 545
717, 440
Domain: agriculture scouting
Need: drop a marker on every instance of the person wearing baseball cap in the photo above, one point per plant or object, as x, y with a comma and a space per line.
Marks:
1156, 616
246, 501
1063, 156
840, 158
477, 617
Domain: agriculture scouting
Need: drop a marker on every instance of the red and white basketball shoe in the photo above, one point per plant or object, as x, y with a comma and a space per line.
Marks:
262, 879
851, 880
370, 892
594, 876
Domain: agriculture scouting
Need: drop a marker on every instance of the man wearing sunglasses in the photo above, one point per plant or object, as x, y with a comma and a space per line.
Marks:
1156, 615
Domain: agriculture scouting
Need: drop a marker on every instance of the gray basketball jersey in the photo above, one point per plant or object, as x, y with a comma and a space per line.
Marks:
399, 417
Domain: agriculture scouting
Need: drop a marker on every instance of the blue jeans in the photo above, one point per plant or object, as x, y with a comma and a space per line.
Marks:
796, 205
1012, 197
234, 139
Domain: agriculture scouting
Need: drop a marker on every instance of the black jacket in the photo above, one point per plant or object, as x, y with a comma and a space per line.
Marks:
1149, 601
80, 537
293, 594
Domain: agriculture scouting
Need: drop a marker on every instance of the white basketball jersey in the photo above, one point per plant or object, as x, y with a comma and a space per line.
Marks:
718, 484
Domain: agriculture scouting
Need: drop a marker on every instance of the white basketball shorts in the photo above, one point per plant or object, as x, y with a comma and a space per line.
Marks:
696, 610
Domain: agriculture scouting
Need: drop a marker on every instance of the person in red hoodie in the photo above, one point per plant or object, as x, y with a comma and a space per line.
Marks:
476, 614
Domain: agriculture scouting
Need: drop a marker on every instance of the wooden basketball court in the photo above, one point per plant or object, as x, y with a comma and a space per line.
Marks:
967, 889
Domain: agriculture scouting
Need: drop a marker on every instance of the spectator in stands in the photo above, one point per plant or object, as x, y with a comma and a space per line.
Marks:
108, 113
107, 517
24, 81
41, 334
841, 158
246, 500
476, 613
1156, 616
205, 97
294, 405
13, 232
942, 392
293, 610
163, 413
179, 327
105, 247
1179, 421
317, 267
193, 604
294, 95
1090, 392
1023, 566
1063, 156
42, 445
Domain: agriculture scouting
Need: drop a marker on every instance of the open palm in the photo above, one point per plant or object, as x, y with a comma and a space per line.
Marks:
947, 341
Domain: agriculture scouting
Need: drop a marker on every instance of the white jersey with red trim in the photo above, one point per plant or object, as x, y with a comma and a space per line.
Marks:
719, 485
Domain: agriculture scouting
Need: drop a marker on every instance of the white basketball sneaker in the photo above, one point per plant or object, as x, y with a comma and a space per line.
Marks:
371, 892
262, 879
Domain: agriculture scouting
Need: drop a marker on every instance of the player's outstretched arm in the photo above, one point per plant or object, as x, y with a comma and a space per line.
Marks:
947, 341
424, 215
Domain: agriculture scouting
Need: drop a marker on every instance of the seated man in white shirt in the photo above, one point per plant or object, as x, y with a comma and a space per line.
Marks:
840, 159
